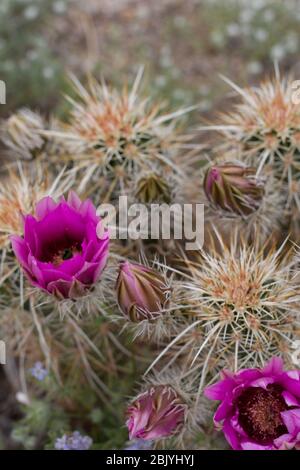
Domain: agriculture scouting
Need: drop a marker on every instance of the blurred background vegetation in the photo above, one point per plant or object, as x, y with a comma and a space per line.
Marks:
184, 46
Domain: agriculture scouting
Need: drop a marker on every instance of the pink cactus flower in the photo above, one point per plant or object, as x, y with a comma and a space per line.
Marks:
159, 412
260, 408
60, 251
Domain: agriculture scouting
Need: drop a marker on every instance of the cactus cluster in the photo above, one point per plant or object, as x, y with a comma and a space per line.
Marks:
90, 321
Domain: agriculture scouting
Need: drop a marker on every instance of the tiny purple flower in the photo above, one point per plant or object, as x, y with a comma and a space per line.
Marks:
139, 444
38, 371
73, 441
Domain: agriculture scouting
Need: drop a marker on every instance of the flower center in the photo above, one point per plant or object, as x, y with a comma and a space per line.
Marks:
64, 254
260, 413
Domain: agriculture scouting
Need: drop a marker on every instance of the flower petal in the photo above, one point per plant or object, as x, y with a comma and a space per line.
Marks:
20, 249
220, 390
291, 419
273, 367
231, 435
44, 207
290, 400
248, 445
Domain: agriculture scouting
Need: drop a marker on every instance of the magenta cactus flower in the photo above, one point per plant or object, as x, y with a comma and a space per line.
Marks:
142, 292
260, 408
60, 251
159, 412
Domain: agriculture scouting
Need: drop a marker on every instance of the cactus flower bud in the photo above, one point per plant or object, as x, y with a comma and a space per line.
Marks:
234, 188
153, 188
142, 292
159, 412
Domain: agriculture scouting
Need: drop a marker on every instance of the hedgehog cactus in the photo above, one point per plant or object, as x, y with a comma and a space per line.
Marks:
265, 126
118, 134
87, 316
20, 133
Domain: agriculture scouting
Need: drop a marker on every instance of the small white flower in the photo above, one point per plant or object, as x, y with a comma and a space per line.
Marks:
179, 21
160, 81
142, 12
261, 35
246, 16
59, 7
179, 94
258, 4
269, 16
278, 52
217, 38
254, 67
292, 42
31, 12
48, 72
233, 29
22, 398
205, 105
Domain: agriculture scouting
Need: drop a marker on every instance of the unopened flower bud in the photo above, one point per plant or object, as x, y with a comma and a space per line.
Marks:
153, 188
234, 188
142, 292
159, 412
